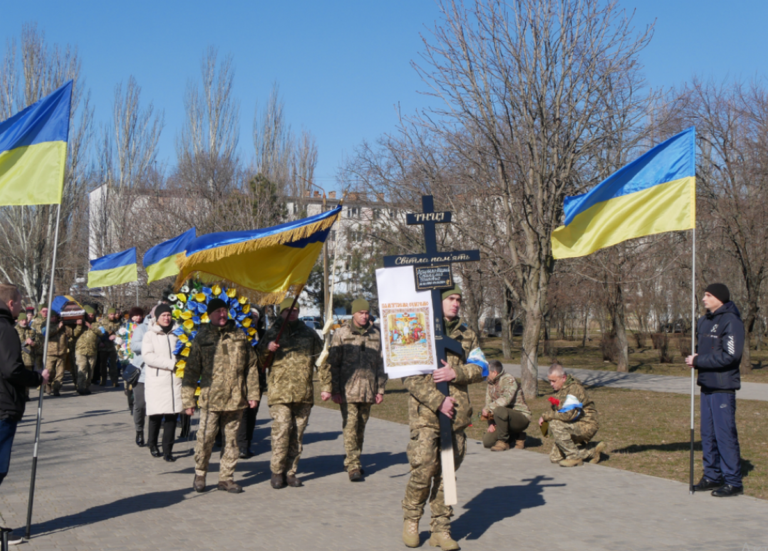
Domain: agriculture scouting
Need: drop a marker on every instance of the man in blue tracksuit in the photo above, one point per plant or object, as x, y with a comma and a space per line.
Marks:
720, 341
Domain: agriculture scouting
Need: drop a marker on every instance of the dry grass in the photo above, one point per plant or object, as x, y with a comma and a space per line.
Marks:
647, 432
645, 360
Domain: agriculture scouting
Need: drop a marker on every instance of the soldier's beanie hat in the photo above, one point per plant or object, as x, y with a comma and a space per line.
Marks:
215, 304
89, 310
719, 291
287, 302
448, 292
360, 304
111, 311
22, 316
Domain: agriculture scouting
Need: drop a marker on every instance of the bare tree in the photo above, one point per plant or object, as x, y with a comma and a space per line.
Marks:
28, 73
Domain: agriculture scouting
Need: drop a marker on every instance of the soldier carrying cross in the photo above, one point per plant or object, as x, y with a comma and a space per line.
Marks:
439, 408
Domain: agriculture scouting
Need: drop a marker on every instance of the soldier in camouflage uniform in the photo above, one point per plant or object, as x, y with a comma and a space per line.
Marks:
505, 409
573, 429
29, 343
86, 352
38, 324
58, 339
357, 379
107, 358
423, 451
222, 361
291, 392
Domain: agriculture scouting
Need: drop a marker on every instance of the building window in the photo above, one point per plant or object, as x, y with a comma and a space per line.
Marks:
353, 212
376, 214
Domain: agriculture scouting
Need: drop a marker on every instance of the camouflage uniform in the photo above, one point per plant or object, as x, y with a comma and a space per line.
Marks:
28, 352
37, 325
291, 392
502, 398
357, 374
573, 428
107, 357
222, 361
86, 354
58, 339
423, 451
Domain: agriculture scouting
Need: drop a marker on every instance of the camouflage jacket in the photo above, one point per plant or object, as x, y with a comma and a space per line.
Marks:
504, 392
290, 375
357, 368
59, 338
87, 343
587, 414
224, 363
28, 352
110, 328
37, 325
426, 398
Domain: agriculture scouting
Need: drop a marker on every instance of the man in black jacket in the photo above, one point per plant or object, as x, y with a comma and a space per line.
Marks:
720, 342
14, 377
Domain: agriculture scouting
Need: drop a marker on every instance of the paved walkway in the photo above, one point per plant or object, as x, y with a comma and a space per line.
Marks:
642, 381
97, 490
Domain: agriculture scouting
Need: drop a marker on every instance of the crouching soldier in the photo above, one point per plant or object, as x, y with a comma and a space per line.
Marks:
505, 410
572, 421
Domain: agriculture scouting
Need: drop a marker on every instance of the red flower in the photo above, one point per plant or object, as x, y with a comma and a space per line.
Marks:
554, 401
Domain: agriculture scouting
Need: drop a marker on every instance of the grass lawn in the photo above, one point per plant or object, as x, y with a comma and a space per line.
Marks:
644, 360
647, 432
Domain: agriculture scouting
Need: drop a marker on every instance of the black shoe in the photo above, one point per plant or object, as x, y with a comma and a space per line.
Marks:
245, 454
356, 475
169, 458
140, 438
707, 484
277, 481
293, 481
154, 451
728, 491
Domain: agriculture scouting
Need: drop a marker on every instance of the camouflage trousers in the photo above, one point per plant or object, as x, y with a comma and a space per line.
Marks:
426, 480
288, 424
55, 367
210, 421
85, 366
354, 417
571, 440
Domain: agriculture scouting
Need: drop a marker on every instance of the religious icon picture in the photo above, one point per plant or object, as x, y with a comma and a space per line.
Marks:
409, 336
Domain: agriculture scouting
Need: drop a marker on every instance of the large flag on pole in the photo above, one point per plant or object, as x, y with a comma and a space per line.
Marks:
160, 260
113, 269
269, 261
654, 194
33, 151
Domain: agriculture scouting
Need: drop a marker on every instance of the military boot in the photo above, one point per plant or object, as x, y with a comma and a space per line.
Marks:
519, 444
575, 462
277, 481
500, 446
444, 541
229, 486
293, 481
411, 533
199, 484
600, 448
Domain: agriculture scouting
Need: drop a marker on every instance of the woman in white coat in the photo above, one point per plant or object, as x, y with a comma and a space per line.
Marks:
161, 387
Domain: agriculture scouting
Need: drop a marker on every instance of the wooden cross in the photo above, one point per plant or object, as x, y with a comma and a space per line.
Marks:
432, 271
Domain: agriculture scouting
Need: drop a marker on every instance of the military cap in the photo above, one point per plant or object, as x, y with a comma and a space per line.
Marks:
448, 292
111, 311
89, 310
360, 304
22, 316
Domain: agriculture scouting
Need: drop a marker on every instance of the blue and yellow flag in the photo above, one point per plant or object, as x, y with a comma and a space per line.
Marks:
113, 269
33, 151
160, 260
654, 194
270, 261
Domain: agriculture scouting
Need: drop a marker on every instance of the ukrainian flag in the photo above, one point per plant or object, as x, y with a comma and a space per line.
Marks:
113, 269
269, 261
33, 151
654, 194
160, 260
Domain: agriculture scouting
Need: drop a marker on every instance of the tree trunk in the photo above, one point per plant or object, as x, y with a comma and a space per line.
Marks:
529, 361
506, 329
749, 325
616, 309
586, 327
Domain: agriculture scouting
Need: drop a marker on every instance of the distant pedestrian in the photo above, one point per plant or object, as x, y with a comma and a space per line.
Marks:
139, 398
15, 379
720, 342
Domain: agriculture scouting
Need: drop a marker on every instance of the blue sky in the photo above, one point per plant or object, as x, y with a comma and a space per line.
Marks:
342, 66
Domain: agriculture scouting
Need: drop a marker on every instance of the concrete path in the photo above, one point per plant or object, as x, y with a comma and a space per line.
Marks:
641, 381
97, 490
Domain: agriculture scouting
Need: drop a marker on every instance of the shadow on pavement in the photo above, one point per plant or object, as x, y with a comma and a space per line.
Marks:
121, 507
493, 505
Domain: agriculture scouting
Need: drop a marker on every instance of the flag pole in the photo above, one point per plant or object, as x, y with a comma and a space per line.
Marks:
42, 386
693, 345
